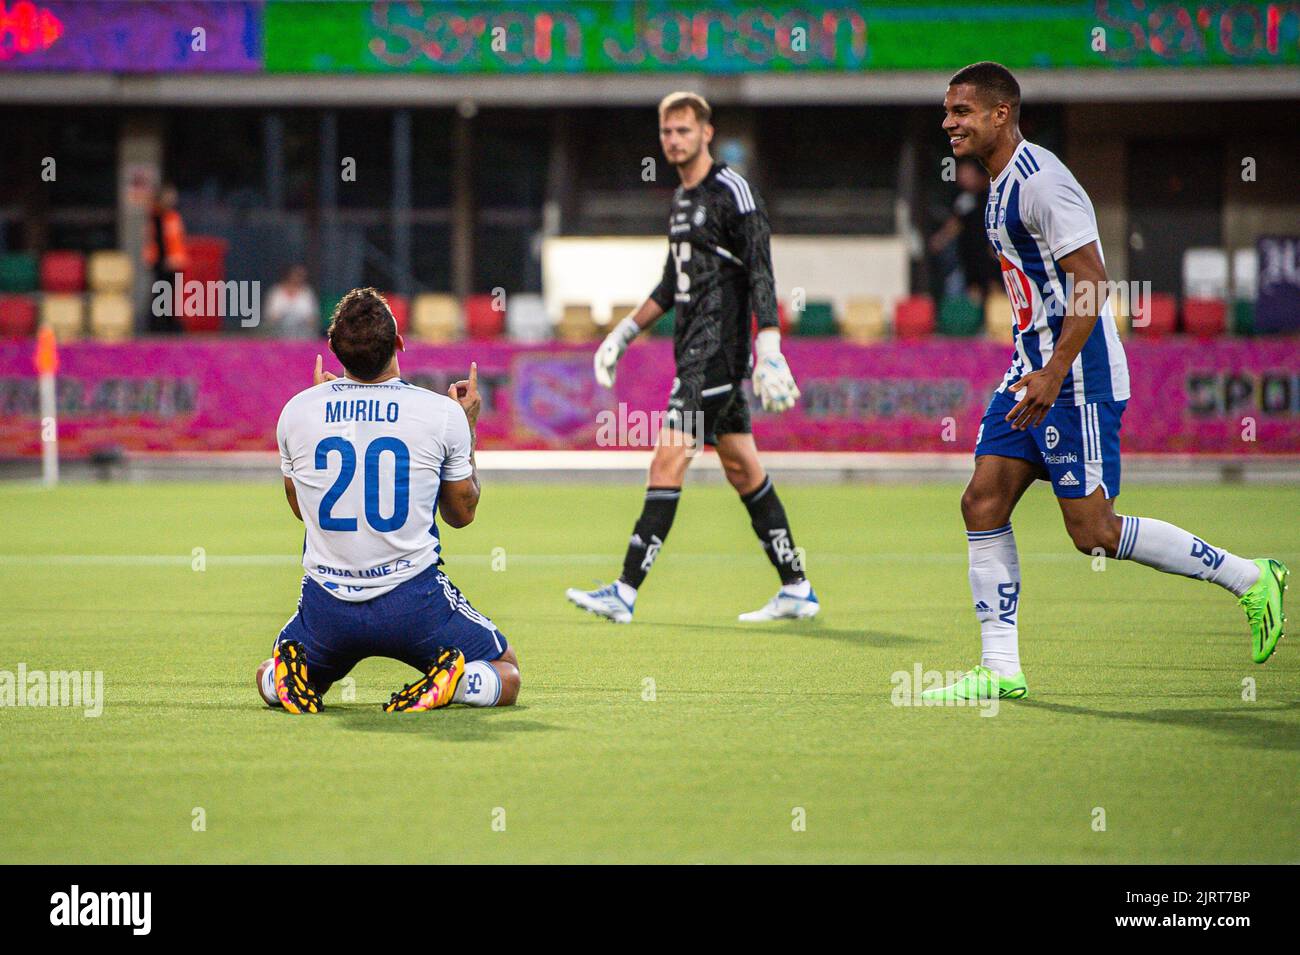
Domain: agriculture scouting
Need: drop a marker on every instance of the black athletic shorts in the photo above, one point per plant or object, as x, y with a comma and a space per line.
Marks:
708, 409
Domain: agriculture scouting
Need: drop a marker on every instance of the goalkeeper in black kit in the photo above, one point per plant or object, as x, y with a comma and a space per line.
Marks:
718, 274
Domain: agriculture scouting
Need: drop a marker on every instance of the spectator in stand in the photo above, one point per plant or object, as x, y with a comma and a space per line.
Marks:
291, 309
980, 270
164, 253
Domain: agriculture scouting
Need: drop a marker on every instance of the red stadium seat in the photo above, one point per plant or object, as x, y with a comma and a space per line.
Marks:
206, 258
400, 306
17, 316
914, 317
481, 319
63, 272
202, 322
1155, 318
1205, 317
206, 263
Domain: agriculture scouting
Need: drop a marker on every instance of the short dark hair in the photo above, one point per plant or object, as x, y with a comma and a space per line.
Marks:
363, 333
993, 80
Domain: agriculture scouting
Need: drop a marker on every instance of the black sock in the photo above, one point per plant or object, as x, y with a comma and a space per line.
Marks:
650, 533
767, 517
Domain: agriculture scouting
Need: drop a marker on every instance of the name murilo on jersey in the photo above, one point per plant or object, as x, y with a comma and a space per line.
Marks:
361, 409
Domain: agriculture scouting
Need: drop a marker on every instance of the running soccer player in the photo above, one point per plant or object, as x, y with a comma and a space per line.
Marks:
1056, 415
718, 273
367, 458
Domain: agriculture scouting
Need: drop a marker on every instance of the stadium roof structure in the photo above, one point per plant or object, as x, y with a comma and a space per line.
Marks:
753, 89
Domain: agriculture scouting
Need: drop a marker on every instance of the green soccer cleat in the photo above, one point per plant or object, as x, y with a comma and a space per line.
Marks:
1263, 606
981, 683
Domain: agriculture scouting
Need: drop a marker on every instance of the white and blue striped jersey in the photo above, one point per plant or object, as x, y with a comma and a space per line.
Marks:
367, 462
1037, 213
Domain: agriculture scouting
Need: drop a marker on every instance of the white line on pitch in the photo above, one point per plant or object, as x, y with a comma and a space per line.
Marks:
270, 560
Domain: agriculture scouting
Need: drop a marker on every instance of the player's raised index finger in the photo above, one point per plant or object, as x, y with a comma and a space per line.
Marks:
319, 366
473, 376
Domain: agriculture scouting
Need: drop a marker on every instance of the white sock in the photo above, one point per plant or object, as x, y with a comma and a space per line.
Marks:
1175, 551
626, 592
480, 686
800, 588
995, 585
268, 684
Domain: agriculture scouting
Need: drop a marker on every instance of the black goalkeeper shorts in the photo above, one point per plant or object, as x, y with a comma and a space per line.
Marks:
709, 409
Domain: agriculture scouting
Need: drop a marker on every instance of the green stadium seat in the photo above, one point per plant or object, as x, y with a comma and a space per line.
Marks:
960, 316
1243, 317
817, 320
18, 272
327, 302
663, 327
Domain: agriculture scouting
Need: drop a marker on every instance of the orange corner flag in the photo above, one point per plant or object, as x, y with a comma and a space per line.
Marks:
47, 354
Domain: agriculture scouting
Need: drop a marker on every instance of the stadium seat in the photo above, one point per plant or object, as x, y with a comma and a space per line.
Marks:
1243, 317
65, 314
1205, 273
1123, 324
63, 272
200, 324
110, 272
205, 258
482, 318
17, 316
998, 319
817, 320
1245, 274
1205, 317
526, 319
328, 302
17, 272
1155, 318
863, 320
110, 316
435, 317
663, 326
959, 316
400, 306
914, 317
577, 325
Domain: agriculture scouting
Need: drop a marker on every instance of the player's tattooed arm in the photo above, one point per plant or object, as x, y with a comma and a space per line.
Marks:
1087, 282
458, 500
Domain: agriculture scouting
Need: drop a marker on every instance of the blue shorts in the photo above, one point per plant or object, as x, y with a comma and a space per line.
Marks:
408, 624
1078, 445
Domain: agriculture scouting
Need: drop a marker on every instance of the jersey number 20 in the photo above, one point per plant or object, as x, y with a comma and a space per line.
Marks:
348, 454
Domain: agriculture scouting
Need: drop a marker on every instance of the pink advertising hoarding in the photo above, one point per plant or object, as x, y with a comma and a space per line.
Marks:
199, 395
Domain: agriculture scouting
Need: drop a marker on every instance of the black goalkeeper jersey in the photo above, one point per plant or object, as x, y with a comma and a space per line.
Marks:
718, 273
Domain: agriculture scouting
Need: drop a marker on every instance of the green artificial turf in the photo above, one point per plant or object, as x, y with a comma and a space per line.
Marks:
1136, 691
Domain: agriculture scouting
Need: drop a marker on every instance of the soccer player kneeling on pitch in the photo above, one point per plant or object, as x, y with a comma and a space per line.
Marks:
366, 459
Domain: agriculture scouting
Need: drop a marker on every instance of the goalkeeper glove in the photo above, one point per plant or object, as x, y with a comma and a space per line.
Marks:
612, 348
773, 382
